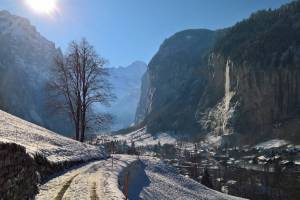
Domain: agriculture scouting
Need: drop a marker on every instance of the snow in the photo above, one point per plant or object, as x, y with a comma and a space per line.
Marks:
96, 180
52, 146
231, 182
142, 138
227, 98
149, 178
156, 180
275, 143
214, 140
262, 158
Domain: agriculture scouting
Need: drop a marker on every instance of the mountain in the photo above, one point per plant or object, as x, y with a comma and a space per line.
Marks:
126, 83
257, 64
240, 85
175, 81
25, 60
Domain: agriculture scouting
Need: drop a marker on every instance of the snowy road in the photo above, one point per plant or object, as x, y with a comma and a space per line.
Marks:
149, 178
96, 180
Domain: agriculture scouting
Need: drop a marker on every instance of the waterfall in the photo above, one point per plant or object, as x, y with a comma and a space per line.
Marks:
217, 119
228, 95
227, 98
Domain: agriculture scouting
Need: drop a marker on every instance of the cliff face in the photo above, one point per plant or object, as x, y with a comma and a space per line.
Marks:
25, 61
244, 88
175, 80
257, 64
250, 104
268, 102
144, 101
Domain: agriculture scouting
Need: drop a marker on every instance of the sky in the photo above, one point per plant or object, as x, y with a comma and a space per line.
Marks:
123, 31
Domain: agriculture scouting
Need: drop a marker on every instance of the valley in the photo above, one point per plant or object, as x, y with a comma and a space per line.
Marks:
207, 113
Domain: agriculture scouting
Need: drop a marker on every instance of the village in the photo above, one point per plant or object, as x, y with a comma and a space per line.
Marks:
255, 172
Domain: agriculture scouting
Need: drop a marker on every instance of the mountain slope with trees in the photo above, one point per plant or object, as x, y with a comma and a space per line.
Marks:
238, 85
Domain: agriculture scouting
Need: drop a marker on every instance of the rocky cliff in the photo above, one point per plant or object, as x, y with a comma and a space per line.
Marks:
175, 81
25, 60
144, 99
241, 87
257, 64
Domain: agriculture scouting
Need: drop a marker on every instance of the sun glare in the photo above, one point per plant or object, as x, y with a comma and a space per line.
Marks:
42, 6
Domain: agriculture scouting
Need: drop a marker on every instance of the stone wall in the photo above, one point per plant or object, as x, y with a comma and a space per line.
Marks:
18, 177
21, 173
47, 169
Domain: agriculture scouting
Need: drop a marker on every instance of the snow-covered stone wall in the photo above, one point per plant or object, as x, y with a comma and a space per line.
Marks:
20, 172
29, 151
18, 177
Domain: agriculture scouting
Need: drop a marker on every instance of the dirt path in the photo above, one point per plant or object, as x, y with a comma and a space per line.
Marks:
94, 181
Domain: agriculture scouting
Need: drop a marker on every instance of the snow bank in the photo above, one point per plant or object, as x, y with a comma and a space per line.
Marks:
153, 179
37, 140
142, 138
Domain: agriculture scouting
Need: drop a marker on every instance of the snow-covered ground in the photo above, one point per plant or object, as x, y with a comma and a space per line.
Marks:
96, 180
142, 138
36, 139
156, 180
149, 179
275, 143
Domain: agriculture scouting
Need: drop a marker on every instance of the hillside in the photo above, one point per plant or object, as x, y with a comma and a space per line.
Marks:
37, 140
31, 155
141, 137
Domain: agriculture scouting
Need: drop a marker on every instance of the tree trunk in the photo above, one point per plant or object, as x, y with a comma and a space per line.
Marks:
83, 124
82, 135
77, 131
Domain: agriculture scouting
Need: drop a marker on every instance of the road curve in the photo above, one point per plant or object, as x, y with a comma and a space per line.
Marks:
93, 181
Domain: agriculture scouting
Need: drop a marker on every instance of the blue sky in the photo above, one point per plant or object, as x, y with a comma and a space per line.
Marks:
127, 30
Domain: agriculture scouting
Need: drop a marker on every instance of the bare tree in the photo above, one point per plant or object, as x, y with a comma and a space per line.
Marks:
79, 80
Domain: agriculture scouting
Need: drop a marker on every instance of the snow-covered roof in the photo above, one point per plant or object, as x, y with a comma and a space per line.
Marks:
262, 158
275, 143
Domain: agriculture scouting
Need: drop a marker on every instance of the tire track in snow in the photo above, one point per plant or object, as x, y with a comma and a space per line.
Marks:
64, 188
94, 195
94, 181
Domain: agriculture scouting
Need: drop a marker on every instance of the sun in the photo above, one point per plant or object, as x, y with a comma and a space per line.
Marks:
42, 6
